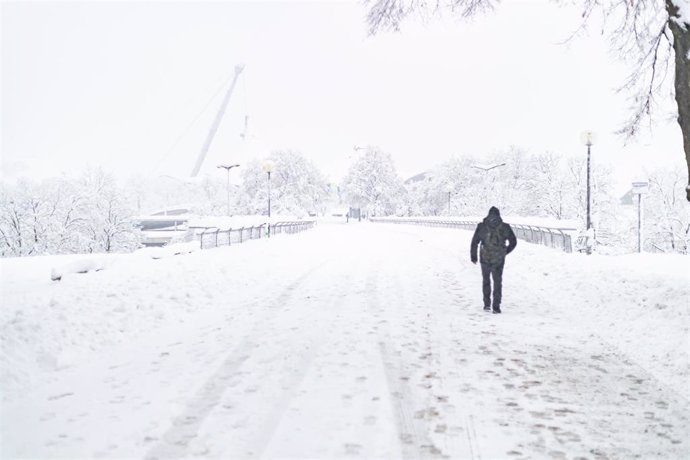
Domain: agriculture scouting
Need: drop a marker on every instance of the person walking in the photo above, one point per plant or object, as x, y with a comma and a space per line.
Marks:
493, 234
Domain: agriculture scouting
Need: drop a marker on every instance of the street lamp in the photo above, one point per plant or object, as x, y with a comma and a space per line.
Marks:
268, 168
488, 168
227, 169
356, 149
449, 189
587, 138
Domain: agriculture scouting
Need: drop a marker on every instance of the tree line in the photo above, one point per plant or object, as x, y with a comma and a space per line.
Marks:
94, 213
546, 185
89, 214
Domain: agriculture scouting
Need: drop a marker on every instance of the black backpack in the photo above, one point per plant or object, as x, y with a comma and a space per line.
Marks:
493, 238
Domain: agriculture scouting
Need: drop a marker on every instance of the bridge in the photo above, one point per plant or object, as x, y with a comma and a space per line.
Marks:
352, 341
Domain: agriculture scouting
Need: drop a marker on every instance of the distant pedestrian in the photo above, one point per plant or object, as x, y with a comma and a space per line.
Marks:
493, 234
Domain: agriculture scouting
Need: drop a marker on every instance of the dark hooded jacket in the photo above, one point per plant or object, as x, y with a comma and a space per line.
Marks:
492, 233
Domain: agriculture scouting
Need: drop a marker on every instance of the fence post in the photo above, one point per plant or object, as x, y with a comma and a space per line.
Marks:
567, 244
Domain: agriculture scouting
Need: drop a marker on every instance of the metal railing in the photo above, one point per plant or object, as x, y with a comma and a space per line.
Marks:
552, 237
215, 237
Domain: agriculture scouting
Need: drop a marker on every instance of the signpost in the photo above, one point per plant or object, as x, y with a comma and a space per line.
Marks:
639, 189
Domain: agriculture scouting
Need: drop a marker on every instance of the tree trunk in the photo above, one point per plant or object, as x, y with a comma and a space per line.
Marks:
681, 47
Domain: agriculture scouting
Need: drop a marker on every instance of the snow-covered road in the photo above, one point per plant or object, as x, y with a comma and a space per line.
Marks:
360, 341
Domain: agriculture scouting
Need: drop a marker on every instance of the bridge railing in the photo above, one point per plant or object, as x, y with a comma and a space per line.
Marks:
215, 237
558, 238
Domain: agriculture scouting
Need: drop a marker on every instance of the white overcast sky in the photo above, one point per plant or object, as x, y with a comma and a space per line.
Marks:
117, 84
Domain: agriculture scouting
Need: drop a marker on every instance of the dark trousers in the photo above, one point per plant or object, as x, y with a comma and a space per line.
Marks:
494, 271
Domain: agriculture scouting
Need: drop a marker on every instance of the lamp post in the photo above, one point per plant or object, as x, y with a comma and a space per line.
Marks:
639, 189
449, 189
357, 149
486, 169
587, 138
227, 169
268, 168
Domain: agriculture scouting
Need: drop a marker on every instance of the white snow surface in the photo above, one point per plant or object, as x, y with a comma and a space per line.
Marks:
82, 264
352, 340
169, 250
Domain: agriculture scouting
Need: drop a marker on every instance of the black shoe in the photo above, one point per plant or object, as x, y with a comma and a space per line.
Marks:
487, 308
497, 310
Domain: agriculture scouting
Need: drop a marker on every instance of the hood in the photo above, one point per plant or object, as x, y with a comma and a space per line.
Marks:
493, 220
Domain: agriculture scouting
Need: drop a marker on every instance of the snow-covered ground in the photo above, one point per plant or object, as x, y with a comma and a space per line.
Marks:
358, 340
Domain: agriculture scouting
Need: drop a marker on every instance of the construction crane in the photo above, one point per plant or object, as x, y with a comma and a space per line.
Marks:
216, 123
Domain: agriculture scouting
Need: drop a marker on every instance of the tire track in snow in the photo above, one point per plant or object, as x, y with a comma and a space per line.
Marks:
446, 302
184, 428
318, 335
412, 428
472, 438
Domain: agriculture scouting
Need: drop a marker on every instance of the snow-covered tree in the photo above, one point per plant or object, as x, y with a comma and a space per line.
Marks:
297, 185
32, 217
62, 215
550, 192
210, 197
65, 216
666, 213
106, 224
15, 210
373, 184
452, 184
543, 185
603, 202
422, 199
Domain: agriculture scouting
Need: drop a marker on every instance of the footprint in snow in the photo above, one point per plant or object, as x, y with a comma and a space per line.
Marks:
370, 420
352, 449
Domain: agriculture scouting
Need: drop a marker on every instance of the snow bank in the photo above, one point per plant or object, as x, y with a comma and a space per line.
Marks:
97, 262
46, 326
169, 250
83, 265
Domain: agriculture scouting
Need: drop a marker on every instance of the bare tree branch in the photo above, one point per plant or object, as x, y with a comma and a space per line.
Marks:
637, 35
387, 15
